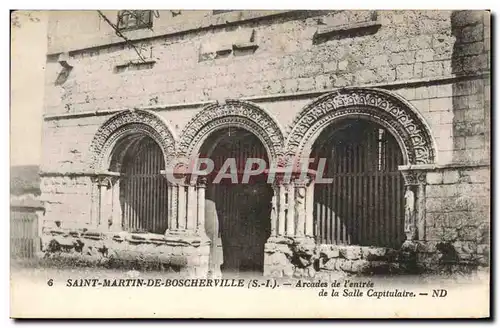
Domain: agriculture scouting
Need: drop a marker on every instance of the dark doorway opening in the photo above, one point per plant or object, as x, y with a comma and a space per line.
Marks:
243, 209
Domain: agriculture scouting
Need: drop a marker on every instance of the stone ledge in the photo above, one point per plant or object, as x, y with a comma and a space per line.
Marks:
170, 239
78, 251
346, 30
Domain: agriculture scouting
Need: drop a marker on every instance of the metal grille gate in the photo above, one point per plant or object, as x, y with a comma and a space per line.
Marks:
364, 203
24, 239
144, 190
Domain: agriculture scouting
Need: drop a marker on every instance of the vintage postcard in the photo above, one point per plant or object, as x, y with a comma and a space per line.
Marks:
250, 164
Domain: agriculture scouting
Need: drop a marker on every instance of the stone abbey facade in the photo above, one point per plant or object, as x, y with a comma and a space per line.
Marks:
398, 102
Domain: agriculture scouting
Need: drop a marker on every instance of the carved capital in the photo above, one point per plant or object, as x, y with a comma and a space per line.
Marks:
410, 178
413, 178
106, 179
202, 182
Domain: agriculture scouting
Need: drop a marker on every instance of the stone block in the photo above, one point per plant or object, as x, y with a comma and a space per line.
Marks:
404, 72
474, 142
472, 33
342, 66
329, 251
434, 178
432, 69
360, 266
477, 175
424, 55
438, 204
432, 191
346, 265
288, 270
331, 264
351, 252
451, 176
373, 253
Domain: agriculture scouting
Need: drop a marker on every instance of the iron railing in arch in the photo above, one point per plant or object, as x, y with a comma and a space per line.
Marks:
143, 190
364, 204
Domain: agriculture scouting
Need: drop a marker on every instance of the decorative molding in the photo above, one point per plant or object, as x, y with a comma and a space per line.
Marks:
383, 107
233, 113
126, 123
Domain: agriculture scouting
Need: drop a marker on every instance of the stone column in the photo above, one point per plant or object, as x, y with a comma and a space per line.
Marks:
301, 208
192, 206
186, 202
414, 198
310, 207
290, 215
274, 212
172, 206
420, 218
291, 226
304, 204
202, 185
108, 201
116, 223
281, 209
181, 206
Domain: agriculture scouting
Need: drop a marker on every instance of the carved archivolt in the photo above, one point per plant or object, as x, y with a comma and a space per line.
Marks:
126, 123
233, 113
380, 106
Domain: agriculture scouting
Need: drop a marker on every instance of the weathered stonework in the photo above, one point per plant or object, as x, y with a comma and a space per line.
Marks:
186, 255
423, 75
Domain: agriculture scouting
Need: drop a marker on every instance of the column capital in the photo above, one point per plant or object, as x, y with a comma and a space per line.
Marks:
414, 177
106, 179
286, 176
184, 179
202, 181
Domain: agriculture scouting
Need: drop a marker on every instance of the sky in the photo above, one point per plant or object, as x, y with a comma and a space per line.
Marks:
28, 49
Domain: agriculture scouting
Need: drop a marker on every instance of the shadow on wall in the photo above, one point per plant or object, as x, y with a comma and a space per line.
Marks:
470, 107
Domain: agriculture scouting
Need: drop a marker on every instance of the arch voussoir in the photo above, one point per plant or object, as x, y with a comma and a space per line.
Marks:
380, 106
125, 123
231, 113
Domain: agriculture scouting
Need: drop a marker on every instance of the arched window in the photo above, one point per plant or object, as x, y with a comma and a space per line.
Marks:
143, 190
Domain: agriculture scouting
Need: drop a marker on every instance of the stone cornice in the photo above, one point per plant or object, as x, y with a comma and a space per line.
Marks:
78, 173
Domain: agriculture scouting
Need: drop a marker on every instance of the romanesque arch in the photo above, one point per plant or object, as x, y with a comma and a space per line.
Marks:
379, 106
126, 123
232, 113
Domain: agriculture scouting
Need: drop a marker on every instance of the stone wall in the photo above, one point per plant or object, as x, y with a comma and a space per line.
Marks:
414, 51
437, 60
458, 215
406, 45
68, 199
